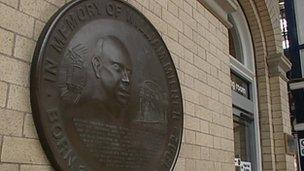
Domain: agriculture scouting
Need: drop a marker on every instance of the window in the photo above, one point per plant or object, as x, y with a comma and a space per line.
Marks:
242, 140
283, 25
234, 45
244, 94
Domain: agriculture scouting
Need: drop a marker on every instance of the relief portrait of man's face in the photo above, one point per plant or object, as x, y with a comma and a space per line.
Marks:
98, 78
113, 68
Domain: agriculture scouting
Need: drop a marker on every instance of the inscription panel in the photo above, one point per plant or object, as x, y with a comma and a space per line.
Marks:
104, 91
118, 146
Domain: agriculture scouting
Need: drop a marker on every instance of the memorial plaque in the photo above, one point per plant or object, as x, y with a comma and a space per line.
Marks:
104, 91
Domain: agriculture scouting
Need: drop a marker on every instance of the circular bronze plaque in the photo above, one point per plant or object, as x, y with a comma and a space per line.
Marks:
104, 91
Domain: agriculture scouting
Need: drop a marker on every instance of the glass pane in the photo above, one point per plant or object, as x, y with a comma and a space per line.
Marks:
235, 49
231, 45
299, 17
302, 61
242, 139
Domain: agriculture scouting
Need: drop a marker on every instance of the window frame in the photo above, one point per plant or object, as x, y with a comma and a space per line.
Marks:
246, 70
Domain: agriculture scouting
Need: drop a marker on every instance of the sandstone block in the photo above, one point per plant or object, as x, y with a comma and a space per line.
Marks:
19, 99
172, 20
9, 167
22, 150
38, 9
35, 168
14, 71
12, 3
172, 8
16, 21
29, 129
10, 122
37, 29
7, 41
58, 3
24, 48
204, 140
3, 93
180, 164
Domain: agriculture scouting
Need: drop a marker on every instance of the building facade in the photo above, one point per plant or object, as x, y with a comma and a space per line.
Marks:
231, 67
294, 30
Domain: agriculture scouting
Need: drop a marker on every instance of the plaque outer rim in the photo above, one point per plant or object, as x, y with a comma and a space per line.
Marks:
35, 70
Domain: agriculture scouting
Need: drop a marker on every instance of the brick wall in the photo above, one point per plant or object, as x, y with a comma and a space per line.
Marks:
20, 24
198, 43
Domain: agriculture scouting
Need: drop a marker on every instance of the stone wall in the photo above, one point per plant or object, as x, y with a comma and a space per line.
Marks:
198, 43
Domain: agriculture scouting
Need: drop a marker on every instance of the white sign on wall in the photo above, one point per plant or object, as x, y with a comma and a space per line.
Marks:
246, 166
238, 88
242, 165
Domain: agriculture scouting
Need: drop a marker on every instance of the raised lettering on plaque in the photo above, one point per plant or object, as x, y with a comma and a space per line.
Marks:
104, 91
